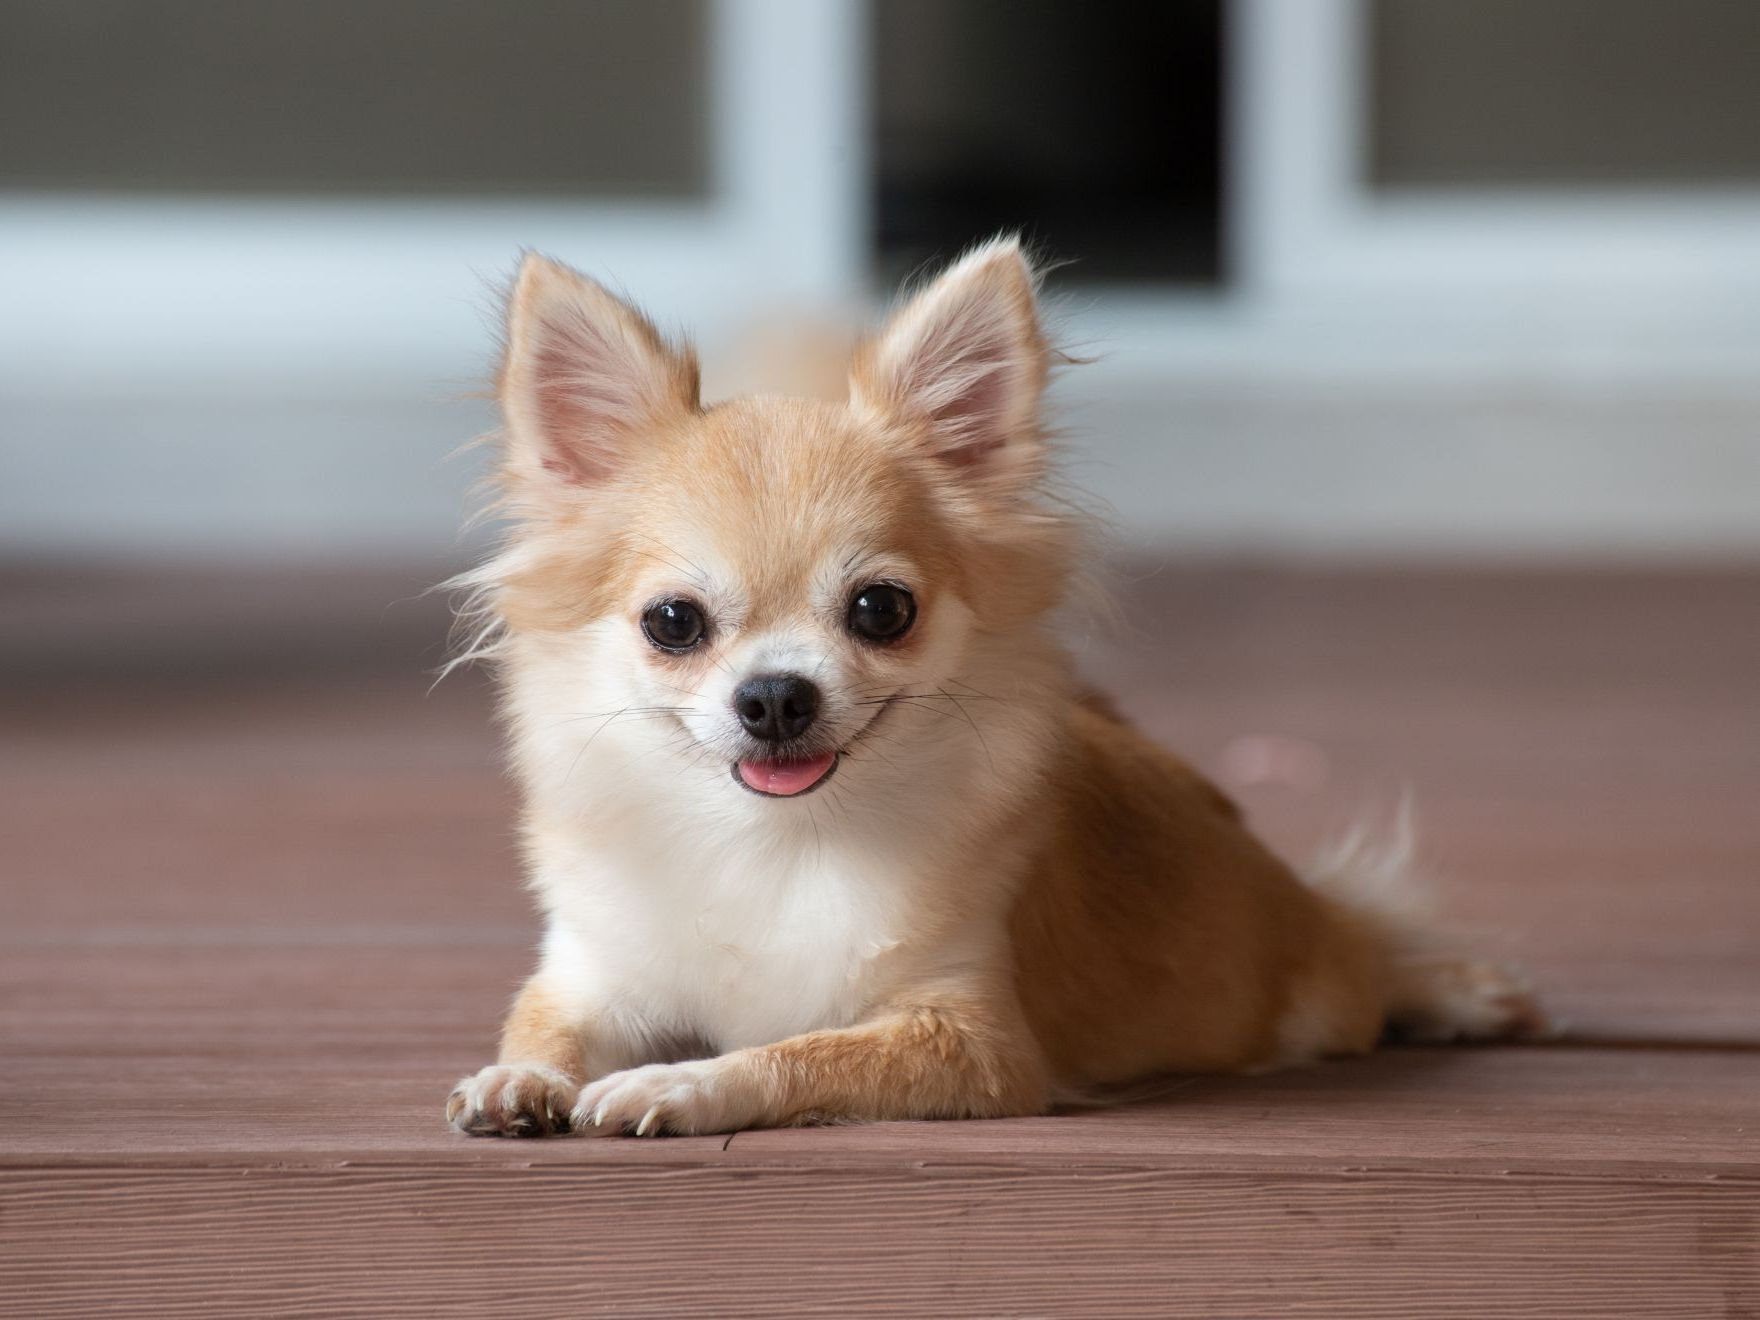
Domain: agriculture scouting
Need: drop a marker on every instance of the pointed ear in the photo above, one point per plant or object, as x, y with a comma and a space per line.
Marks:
966, 359
584, 376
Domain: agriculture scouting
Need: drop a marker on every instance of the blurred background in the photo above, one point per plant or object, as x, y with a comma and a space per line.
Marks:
1387, 278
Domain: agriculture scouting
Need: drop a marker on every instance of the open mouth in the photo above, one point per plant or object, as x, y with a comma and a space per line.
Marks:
793, 777
785, 778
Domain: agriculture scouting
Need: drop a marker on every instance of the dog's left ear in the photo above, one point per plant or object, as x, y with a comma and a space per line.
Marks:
966, 361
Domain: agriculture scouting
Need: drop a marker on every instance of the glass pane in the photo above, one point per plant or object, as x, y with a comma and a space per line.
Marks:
1563, 92
355, 96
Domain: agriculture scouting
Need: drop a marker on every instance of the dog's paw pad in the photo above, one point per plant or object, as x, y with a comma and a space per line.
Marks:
512, 1100
660, 1099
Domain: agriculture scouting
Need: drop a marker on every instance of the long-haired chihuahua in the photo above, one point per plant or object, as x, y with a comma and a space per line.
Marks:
822, 824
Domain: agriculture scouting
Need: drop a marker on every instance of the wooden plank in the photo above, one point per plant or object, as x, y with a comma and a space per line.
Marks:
907, 1239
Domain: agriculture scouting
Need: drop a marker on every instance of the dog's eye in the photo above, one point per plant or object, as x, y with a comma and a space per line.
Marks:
882, 612
673, 625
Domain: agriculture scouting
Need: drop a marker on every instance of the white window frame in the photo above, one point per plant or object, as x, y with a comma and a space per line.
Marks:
1307, 226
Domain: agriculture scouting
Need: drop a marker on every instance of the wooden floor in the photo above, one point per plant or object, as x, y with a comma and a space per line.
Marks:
259, 912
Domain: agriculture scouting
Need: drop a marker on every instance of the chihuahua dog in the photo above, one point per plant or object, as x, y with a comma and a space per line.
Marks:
822, 824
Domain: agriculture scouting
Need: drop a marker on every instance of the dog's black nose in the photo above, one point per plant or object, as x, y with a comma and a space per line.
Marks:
776, 706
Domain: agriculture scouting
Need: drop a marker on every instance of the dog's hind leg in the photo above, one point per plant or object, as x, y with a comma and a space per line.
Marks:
1431, 991
1447, 997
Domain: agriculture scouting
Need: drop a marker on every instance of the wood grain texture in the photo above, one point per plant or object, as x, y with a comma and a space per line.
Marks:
255, 918
976, 1239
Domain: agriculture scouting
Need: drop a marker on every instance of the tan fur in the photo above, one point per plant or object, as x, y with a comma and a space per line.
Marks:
1155, 897
536, 1031
1057, 904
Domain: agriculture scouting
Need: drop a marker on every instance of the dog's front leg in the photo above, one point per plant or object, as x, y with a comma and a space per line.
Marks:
546, 1053
949, 1057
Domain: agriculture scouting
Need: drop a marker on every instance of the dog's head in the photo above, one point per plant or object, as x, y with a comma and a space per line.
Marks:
759, 590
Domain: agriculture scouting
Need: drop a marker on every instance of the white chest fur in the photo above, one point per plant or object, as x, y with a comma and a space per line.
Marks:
736, 947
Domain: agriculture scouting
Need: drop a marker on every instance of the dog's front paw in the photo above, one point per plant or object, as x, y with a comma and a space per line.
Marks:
512, 1100
661, 1099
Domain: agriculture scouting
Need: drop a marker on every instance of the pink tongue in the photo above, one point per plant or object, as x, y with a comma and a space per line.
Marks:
785, 778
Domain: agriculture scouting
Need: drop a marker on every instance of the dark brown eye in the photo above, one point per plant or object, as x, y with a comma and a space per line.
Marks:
673, 625
882, 612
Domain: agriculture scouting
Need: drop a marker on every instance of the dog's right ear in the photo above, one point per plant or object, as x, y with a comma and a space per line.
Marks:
584, 377
964, 361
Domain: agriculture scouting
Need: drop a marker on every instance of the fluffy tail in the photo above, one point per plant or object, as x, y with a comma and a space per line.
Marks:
1434, 992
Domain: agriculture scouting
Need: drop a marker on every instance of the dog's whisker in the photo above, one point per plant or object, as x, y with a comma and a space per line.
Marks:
960, 682
818, 840
672, 559
676, 741
636, 717
696, 569
917, 705
632, 710
982, 741
938, 695
868, 746
575, 764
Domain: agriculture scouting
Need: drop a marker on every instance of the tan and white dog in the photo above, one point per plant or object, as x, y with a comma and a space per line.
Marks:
822, 825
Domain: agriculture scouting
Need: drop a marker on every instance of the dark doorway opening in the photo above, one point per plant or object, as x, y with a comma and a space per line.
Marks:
1095, 128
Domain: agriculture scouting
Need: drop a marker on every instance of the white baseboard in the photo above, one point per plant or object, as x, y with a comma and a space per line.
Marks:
1203, 468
